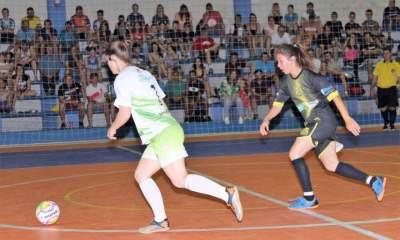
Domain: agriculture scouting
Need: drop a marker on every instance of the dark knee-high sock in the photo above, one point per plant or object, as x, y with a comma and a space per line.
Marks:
304, 176
385, 116
392, 117
347, 170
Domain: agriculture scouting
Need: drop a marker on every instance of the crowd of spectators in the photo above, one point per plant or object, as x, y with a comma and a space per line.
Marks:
70, 64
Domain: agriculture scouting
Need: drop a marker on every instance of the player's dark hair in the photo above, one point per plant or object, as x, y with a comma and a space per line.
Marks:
297, 51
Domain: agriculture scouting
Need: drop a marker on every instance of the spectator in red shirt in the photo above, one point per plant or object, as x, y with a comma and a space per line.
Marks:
81, 23
206, 46
213, 21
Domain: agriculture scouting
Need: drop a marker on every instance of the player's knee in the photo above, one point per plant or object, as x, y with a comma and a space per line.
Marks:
178, 182
330, 166
140, 177
293, 155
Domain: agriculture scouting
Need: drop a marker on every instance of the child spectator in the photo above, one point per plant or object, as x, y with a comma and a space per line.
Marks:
98, 97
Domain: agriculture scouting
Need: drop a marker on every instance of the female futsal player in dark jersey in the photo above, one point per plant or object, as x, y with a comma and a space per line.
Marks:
311, 94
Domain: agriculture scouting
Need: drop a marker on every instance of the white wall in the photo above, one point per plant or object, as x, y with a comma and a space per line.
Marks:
323, 8
148, 8
18, 9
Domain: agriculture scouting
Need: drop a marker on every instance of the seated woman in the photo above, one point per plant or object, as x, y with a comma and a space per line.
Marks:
6, 97
229, 92
21, 85
26, 56
196, 100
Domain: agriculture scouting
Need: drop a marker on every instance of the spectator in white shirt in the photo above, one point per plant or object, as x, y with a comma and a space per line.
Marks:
280, 37
99, 97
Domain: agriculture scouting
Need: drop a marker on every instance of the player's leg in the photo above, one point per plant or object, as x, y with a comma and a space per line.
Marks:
148, 165
300, 148
331, 162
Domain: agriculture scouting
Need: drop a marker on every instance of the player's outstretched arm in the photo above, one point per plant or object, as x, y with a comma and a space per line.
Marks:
350, 123
122, 117
273, 112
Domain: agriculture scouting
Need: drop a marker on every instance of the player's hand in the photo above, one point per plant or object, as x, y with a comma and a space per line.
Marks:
264, 128
353, 126
111, 133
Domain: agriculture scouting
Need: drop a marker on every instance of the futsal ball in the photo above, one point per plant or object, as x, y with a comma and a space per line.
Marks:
47, 212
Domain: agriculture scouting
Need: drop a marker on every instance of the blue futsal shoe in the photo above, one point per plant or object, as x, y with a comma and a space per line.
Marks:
379, 187
302, 203
234, 202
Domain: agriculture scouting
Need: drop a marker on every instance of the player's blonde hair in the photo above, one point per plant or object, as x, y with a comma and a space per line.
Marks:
120, 49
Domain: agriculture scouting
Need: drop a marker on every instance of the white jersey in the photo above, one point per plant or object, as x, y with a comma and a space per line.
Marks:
138, 89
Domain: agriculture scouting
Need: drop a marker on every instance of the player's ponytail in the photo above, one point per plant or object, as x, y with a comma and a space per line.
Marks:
297, 51
121, 49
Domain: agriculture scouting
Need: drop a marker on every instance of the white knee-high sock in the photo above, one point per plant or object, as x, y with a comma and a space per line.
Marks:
153, 196
200, 184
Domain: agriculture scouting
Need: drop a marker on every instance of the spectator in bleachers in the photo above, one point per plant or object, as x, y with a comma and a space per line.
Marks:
269, 29
229, 91
371, 48
316, 62
214, 22
103, 34
391, 17
6, 97
135, 17
237, 33
312, 23
370, 25
276, 13
196, 100
187, 41
235, 64
138, 33
93, 63
98, 97
160, 16
333, 67
25, 34
99, 20
81, 23
267, 67
25, 55
183, 16
173, 34
7, 27
156, 58
291, 20
175, 90
138, 58
327, 41
121, 31
386, 77
254, 33
352, 26
21, 85
336, 26
34, 22
302, 38
67, 40
261, 91
48, 33
6, 67
280, 37
202, 75
352, 54
206, 47
69, 98
49, 66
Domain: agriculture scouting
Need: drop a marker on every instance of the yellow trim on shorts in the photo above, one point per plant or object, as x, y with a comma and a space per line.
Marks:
332, 95
277, 104
313, 130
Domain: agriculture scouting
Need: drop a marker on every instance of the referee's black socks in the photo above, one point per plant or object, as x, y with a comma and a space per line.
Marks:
392, 117
385, 116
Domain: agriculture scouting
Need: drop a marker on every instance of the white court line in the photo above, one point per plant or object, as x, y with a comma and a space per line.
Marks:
285, 204
227, 229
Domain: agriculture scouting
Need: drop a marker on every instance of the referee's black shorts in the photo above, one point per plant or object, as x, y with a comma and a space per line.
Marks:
387, 97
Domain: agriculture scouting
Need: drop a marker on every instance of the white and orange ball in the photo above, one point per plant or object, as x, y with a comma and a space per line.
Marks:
47, 212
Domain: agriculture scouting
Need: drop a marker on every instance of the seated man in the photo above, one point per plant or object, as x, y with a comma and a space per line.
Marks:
6, 97
69, 97
333, 68
213, 21
99, 97
261, 90
205, 46
267, 67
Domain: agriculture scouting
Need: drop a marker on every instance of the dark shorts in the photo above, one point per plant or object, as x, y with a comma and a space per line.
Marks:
387, 97
321, 127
